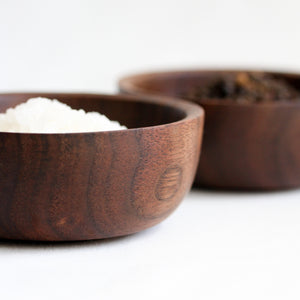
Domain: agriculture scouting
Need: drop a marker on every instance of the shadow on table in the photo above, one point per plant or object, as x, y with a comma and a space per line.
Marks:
35, 245
31, 245
228, 191
42, 245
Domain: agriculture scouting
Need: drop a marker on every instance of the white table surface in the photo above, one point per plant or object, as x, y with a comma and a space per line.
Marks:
217, 245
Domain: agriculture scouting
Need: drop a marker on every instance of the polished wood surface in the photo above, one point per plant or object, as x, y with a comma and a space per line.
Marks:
82, 186
245, 146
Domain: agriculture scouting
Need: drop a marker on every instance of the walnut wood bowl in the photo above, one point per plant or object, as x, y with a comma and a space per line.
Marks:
245, 146
83, 186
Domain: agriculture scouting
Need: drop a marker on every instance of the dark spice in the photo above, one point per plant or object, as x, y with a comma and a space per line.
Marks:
245, 87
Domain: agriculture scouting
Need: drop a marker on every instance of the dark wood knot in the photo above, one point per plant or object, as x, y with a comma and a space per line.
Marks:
169, 183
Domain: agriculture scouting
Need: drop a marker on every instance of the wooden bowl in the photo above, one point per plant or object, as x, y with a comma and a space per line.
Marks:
245, 146
83, 186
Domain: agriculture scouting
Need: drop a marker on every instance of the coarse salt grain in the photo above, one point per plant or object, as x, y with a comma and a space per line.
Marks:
42, 115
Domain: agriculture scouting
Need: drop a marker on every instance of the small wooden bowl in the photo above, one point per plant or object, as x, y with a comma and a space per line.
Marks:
245, 146
83, 186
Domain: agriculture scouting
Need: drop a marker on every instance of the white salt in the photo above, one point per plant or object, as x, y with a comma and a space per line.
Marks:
42, 115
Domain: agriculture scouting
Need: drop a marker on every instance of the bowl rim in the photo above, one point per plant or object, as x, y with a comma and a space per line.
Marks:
191, 110
128, 84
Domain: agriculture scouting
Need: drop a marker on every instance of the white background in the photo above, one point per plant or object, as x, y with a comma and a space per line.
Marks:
217, 245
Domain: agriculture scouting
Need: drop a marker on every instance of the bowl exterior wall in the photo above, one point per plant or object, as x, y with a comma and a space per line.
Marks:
85, 186
250, 147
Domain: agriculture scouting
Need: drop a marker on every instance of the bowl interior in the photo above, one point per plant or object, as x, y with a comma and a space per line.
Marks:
133, 113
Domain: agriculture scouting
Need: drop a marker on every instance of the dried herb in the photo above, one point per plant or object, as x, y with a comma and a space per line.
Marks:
245, 87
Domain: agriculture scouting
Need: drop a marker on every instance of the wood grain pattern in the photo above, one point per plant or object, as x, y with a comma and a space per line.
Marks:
245, 146
81, 186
